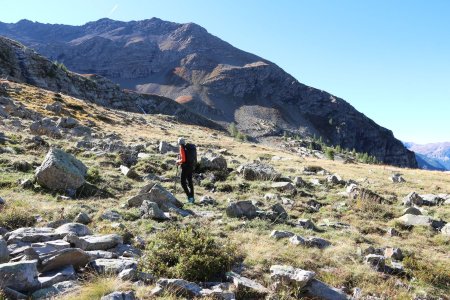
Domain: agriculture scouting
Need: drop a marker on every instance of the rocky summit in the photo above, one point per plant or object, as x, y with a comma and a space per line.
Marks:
206, 74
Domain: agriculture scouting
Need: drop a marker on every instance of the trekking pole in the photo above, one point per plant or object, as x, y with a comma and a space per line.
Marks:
175, 182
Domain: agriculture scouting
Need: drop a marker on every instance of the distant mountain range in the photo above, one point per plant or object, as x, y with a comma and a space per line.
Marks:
210, 77
434, 156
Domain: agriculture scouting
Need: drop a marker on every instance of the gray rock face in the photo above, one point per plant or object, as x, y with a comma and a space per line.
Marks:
160, 196
316, 289
335, 179
76, 228
394, 253
397, 178
111, 215
66, 122
94, 242
412, 211
33, 235
375, 261
413, 199
241, 209
287, 276
4, 253
128, 275
128, 172
82, 218
113, 266
258, 171
245, 285
151, 210
58, 289
20, 276
213, 161
63, 274
413, 220
165, 147
47, 127
61, 171
70, 256
129, 295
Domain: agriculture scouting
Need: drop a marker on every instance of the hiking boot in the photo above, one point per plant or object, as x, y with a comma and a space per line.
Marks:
191, 200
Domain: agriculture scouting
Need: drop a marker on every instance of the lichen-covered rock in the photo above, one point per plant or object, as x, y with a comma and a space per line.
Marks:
61, 171
20, 276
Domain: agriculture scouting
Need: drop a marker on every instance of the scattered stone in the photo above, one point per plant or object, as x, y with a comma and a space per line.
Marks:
413, 199
240, 209
128, 172
26, 184
66, 122
20, 276
212, 161
446, 229
297, 240
397, 178
306, 223
76, 228
299, 182
271, 196
314, 181
317, 242
160, 196
82, 218
151, 210
310, 170
335, 179
113, 266
94, 242
279, 234
207, 200
316, 289
61, 171
375, 261
95, 254
258, 171
55, 107
412, 211
63, 274
413, 220
58, 289
394, 253
128, 275
111, 215
45, 126
246, 286
178, 286
289, 277
393, 232
431, 200
71, 256
4, 252
165, 147
128, 295
126, 250
283, 186
2, 202
12, 294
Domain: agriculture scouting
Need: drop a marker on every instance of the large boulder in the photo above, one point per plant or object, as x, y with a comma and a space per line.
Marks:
151, 210
213, 161
415, 220
4, 253
19, 276
258, 171
159, 195
94, 242
77, 228
289, 277
240, 209
70, 256
33, 235
61, 171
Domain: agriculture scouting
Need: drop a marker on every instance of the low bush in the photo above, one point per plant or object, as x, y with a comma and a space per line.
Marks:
16, 217
188, 253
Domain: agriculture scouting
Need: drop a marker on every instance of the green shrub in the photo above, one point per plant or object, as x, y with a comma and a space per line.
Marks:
16, 217
329, 153
93, 175
188, 253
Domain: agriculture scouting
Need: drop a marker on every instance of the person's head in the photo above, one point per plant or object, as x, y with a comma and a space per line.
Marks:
181, 141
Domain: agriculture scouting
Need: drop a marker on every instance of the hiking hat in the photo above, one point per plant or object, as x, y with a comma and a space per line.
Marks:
181, 141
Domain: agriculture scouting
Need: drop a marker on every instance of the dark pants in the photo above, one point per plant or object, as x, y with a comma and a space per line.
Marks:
186, 180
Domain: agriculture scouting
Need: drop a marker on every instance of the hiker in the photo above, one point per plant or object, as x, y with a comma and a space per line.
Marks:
187, 160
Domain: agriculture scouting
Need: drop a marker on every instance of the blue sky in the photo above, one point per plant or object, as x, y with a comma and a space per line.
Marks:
389, 59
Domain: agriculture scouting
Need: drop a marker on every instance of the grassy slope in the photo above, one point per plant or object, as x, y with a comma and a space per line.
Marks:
339, 265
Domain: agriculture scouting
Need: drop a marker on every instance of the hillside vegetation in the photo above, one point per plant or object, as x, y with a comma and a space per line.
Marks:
347, 226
